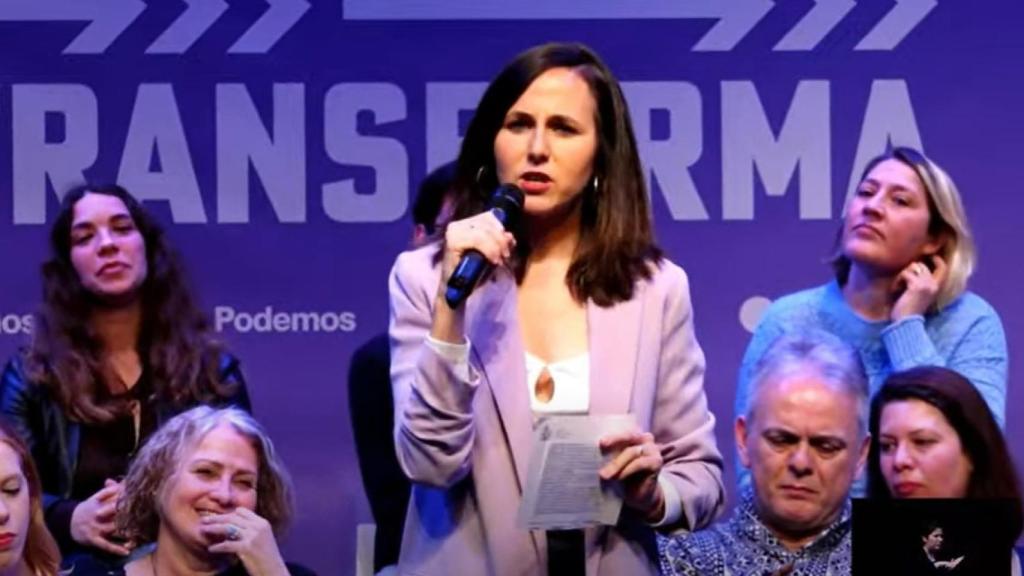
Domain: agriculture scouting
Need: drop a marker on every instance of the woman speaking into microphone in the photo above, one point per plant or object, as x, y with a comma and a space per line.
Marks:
581, 314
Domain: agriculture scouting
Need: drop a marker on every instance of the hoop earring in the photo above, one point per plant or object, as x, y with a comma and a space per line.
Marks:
480, 174
596, 183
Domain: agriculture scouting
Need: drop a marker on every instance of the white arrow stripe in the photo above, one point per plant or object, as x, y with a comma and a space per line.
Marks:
813, 27
735, 17
734, 26
198, 17
108, 19
897, 24
540, 9
271, 27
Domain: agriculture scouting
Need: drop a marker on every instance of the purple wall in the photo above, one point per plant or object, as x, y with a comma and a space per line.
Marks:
280, 145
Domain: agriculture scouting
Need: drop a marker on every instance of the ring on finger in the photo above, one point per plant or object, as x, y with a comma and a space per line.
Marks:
233, 533
640, 451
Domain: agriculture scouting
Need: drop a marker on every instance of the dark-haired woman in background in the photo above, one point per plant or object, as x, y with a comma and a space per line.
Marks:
118, 347
933, 436
581, 315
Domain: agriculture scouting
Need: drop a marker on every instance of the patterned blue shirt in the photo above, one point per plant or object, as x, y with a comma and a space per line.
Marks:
743, 546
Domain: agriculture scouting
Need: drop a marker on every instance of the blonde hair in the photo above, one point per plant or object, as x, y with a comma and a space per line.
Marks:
159, 461
41, 553
947, 219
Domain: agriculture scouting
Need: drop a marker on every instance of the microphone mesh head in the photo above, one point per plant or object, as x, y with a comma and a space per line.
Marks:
507, 204
507, 193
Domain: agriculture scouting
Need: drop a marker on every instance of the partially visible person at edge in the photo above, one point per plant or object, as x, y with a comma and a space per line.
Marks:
26, 546
206, 496
933, 436
581, 315
803, 436
118, 347
371, 408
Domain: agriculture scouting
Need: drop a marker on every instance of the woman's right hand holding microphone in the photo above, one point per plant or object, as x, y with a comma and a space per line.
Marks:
482, 232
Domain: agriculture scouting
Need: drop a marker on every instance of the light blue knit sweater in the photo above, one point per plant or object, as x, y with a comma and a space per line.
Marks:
965, 336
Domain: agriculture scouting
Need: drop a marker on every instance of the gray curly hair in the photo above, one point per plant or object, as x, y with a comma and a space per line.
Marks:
159, 462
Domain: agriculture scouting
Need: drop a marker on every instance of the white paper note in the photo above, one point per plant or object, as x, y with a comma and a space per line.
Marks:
563, 489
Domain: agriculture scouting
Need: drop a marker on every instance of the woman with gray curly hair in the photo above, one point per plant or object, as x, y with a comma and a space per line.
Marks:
206, 495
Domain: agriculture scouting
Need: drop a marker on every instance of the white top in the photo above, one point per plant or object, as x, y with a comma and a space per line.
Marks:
572, 384
572, 396
573, 376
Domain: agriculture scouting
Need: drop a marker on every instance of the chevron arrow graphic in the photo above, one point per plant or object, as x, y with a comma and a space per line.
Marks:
271, 27
735, 18
897, 24
813, 27
198, 17
108, 19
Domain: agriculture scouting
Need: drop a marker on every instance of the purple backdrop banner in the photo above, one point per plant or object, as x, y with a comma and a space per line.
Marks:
279, 141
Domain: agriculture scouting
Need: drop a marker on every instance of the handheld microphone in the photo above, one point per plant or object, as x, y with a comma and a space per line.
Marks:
507, 205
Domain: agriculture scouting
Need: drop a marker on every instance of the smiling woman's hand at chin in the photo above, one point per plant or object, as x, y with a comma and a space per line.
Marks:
248, 536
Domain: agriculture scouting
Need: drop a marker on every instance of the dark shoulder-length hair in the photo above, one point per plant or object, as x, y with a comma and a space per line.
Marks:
41, 554
175, 343
617, 244
993, 474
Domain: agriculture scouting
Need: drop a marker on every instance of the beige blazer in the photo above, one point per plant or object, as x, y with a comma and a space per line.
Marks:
465, 442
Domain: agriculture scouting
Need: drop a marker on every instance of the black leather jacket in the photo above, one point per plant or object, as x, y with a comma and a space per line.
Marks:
53, 439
